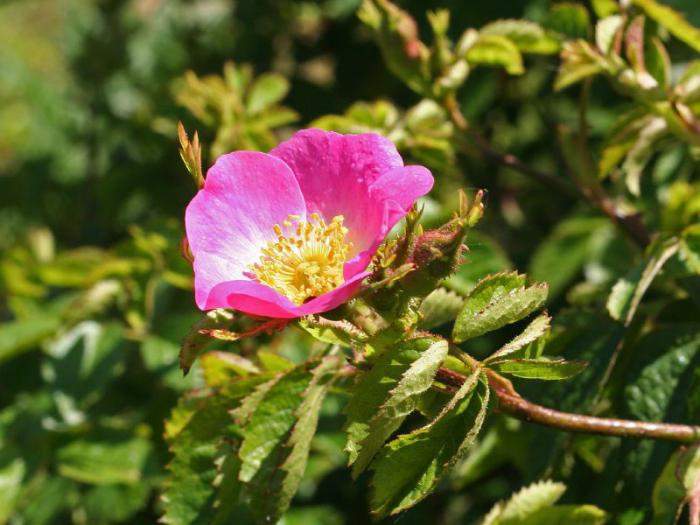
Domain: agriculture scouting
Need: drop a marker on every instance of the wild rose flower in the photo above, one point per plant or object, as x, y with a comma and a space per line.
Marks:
291, 232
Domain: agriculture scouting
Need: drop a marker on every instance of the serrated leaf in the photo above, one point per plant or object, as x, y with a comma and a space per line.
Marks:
496, 50
675, 484
525, 502
272, 416
497, 301
536, 329
267, 90
409, 467
628, 292
439, 307
545, 369
278, 492
528, 36
202, 487
534, 505
326, 334
672, 20
388, 393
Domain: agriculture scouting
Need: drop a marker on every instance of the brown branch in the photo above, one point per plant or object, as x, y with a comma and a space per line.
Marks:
506, 160
510, 402
525, 410
631, 224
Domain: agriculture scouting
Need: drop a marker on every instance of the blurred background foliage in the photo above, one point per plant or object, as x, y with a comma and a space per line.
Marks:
95, 296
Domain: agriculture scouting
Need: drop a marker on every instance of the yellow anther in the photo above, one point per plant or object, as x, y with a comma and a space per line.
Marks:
306, 260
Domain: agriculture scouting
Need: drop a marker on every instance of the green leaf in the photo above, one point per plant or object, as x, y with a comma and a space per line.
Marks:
536, 329
104, 461
273, 362
388, 393
278, 492
569, 19
19, 336
534, 505
659, 379
641, 152
603, 8
546, 369
220, 368
267, 90
12, 471
326, 333
409, 467
439, 307
115, 503
677, 482
194, 342
528, 36
265, 419
202, 487
561, 256
82, 364
628, 292
672, 20
568, 514
496, 50
525, 502
497, 301
689, 252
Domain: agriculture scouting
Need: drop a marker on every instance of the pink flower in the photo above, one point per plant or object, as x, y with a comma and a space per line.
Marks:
292, 232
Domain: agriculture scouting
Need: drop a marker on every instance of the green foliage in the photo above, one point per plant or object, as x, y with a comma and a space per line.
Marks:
387, 394
580, 120
410, 466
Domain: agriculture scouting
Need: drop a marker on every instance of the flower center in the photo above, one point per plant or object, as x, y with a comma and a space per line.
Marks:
306, 260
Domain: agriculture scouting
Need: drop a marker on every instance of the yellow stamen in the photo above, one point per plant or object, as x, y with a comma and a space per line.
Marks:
306, 260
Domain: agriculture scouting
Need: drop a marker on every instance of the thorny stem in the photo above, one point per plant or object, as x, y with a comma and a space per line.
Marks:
630, 224
510, 402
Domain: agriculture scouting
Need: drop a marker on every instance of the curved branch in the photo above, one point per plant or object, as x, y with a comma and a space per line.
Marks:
510, 402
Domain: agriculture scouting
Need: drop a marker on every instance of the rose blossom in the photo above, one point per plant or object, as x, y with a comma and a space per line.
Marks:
292, 232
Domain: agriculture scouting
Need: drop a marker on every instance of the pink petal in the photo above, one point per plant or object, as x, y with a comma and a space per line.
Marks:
335, 173
229, 221
257, 299
403, 186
